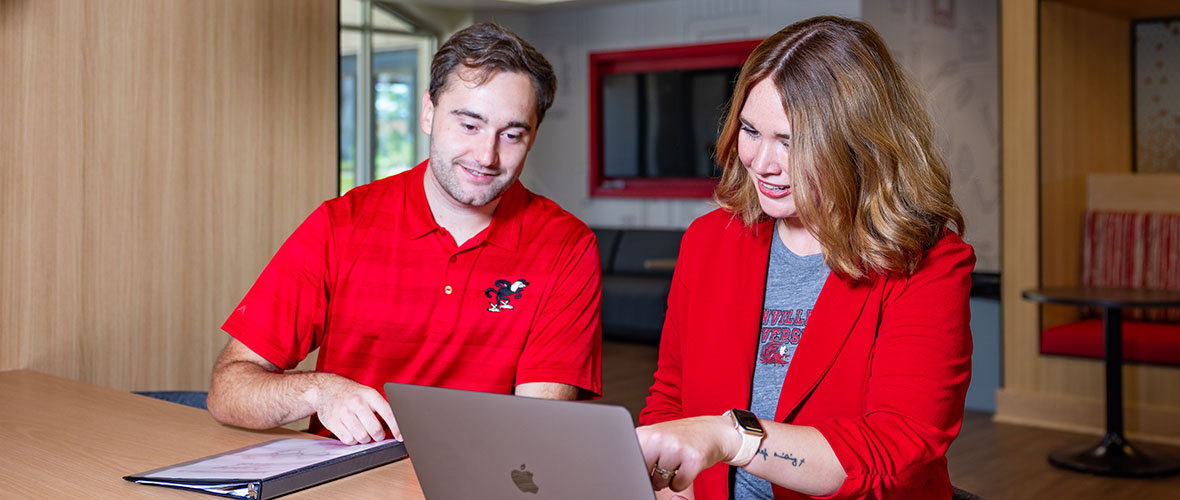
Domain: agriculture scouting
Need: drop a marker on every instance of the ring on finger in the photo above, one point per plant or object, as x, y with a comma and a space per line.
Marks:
664, 474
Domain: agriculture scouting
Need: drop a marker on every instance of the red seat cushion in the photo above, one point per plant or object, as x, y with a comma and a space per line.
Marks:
1142, 342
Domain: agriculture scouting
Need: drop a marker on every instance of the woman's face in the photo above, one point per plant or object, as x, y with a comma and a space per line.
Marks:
763, 146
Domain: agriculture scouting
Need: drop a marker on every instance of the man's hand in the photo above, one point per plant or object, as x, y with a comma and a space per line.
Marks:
249, 391
351, 411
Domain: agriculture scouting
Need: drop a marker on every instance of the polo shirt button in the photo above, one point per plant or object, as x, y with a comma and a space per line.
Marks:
448, 290
452, 260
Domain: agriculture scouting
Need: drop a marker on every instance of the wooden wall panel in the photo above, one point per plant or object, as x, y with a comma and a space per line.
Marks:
41, 190
1085, 99
1133, 193
205, 131
1021, 223
1084, 127
1133, 9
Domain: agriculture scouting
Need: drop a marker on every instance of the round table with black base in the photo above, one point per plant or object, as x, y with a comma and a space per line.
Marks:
1113, 455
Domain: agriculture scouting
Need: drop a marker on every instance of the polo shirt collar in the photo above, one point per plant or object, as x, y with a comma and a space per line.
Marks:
506, 222
505, 228
417, 217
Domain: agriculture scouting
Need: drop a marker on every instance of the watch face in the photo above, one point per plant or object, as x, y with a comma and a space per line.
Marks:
747, 421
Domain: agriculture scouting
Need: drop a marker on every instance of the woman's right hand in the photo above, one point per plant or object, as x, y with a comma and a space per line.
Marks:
668, 494
685, 447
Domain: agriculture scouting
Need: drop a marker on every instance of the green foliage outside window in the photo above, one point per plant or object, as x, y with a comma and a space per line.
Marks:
393, 106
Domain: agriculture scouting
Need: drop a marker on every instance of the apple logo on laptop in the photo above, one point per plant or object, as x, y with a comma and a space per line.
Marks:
524, 480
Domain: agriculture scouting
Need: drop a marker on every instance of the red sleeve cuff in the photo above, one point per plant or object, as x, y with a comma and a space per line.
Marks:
238, 328
582, 381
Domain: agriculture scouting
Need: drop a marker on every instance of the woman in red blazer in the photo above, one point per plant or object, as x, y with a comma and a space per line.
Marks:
827, 149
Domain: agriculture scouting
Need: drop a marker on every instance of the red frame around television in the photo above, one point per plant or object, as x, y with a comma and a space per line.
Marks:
684, 57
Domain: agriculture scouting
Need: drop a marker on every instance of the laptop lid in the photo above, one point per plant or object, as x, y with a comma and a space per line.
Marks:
467, 444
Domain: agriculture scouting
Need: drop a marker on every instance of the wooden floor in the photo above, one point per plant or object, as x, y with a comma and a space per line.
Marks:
994, 461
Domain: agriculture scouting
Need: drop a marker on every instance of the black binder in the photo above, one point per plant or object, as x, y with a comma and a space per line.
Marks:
273, 468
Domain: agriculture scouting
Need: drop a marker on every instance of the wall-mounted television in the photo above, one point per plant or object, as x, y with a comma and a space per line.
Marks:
654, 116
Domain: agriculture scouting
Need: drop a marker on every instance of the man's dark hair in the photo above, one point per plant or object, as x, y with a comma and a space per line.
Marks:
489, 49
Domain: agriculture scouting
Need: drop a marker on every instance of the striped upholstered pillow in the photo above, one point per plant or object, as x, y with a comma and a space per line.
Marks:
1133, 250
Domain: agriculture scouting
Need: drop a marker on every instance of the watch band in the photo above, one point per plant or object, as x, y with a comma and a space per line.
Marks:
750, 429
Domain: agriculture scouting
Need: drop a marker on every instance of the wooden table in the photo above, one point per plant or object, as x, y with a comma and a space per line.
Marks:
65, 439
1113, 455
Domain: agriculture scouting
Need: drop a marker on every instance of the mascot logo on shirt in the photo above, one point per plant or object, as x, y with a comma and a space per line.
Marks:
775, 353
503, 293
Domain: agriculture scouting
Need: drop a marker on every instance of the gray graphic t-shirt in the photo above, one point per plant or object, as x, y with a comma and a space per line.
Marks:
793, 284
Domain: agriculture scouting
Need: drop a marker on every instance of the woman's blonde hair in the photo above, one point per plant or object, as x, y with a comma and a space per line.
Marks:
866, 176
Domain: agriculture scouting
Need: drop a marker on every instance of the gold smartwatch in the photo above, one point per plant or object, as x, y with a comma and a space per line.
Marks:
750, 429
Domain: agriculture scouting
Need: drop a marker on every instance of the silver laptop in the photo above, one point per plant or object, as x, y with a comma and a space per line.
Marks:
492, 446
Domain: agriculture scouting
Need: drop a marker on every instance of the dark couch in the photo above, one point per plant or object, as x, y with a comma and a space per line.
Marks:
637, 269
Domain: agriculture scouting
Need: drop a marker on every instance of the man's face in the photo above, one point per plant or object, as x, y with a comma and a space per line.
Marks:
479, 135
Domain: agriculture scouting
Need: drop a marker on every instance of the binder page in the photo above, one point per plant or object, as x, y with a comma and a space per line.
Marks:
236, 490
260, 462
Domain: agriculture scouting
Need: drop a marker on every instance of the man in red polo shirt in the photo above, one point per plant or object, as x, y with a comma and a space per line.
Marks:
452, 274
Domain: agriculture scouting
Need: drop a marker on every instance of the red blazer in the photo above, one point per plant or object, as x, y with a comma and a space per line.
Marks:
881, 370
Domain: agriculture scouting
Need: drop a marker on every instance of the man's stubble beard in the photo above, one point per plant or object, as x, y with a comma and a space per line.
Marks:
446, 172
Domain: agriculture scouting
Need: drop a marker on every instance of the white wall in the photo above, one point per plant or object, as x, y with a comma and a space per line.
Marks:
951, 50
558, 166
951, 55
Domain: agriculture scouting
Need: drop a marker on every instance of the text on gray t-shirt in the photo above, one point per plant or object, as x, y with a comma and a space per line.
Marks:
793, 284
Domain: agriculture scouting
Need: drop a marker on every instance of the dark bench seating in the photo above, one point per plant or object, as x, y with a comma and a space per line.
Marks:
637, 267
1126, 250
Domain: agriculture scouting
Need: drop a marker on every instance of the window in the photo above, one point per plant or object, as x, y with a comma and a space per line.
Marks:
654, 116
379, 133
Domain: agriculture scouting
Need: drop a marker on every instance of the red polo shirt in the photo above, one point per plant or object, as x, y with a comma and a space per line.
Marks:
385, 294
